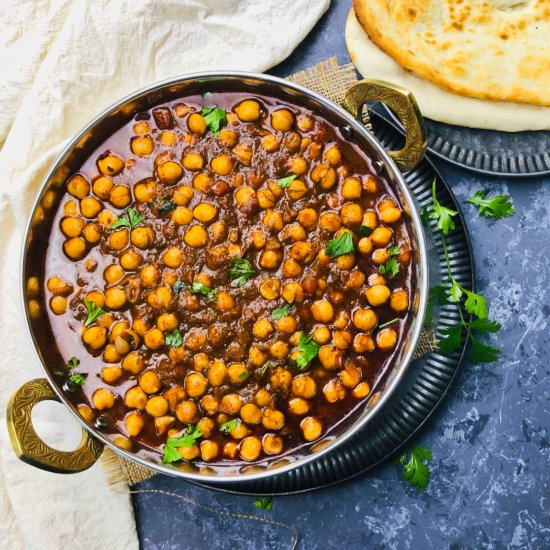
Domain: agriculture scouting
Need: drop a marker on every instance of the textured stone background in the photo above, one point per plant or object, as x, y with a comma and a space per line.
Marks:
490, 439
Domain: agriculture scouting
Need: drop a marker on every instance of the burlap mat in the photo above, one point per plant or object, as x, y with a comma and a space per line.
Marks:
329, 80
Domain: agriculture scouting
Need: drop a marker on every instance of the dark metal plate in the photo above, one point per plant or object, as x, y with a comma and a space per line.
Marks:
510, 154
426, 381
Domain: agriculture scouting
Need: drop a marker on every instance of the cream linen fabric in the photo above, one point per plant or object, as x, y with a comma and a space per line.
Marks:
62, 62
436, 103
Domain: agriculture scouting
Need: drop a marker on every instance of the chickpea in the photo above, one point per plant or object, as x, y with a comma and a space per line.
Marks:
173, 257
341, 339
75, 248
270, 143
311, 428
248, 110
110, 375
293, 293
244, 194
58, 305
205, 212
187, 412
330, 222
298, 165
72, 226
303, 252
330, 357
78, 186
293, 233
381, 236
217, 373
363, 343
386, 338
370, 185
298, 406
140, 326
34, 309
222, 164
209, 450
196, 236
110, 354
141, 127
364, 246
156, 406
262, 398
351, 214
291, 268
351, 189
195, 384
92, 233
228, 138
399, 300
321, 335
196, 124
282, 120
325, 176
377, 295
113, 273
189, 453
95, 337
270, 259
130, 260
250, 448
115, 298
230, 450
231, 403
134, 423
169, 172
351, 375
270, 289
225, 301
58, 287
288, 324
209, 405
135, 398
243, 154
278, 349
153, 338
364, 319
304, 123
120, 196
273, 220
361, 390
262, 329
333, 155
256, 356
273, 419
266, 198
33, 286
308, 218
183, 194
380, 256
251, 413
133, 363
240, 431
142, 145
103, 399
334, 390
238, 373
150, 382
280, 379
388, 211
297, 190
193, 161
322, 311
304, 385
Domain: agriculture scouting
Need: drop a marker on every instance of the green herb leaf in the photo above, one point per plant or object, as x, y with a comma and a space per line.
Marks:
436, 295
94, 312
392, 322
415, 467
455, 292
188, 439
243, 375
280, 312
264, 368
484, 325
59, 373
179, 286
442, 214
308, 350
130, 219
283, 183
452, 340
73, 362
79, 379
174, 338
364, 231
497, 207
241, 271
476, 304
425, 216
200, 288
391, 267
483, 353
166, 206
340, 246
264, 503
215, 119
230, 425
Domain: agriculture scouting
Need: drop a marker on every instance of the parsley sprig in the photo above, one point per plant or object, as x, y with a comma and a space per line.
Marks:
200, 288
264, 503
474, 303
130, 219
340, 246
174, 338
215, 119
94, 312
415, 468
283, 183
307, 351
241, 271
280, 312
187, 439
497, 207
391, 267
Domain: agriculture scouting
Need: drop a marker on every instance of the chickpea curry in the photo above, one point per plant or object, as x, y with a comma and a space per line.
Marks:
226, 279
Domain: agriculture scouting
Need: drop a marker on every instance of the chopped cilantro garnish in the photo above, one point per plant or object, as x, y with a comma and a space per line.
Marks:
94, 312
283, 183
174, 338
130, 220
340, 246
280, 312
187, 439
415, 467
200, 288
215, 119
308, 350
241, 271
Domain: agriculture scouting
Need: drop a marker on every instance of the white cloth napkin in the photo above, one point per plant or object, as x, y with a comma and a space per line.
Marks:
62, 62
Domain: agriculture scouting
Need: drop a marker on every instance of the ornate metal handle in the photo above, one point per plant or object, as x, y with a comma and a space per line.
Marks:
403, 104
27, 444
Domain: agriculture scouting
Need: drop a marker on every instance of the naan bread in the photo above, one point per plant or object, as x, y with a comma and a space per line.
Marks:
436, 103
490, 49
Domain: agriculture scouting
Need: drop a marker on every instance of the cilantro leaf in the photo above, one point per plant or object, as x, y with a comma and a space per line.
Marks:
364, 231
79, 379
73, 362
483, 353
200, 288
442, 214
388, 323
264, 368
179, 286
476, 304
484, 325
187, 439
415, 468
215, 119
454, 292
497, 207
59, 373
130, 219
94, 312
174, 338
230, 425
166, 206
391, 267
452, 340
241, 271
280, 312
436, 295
308, 350
264, 503
425, 216
243, 375
340, 246
283, 183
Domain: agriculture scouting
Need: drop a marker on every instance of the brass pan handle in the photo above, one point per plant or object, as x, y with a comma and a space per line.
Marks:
27, 444
403, 104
